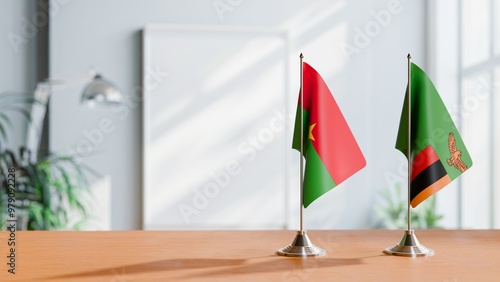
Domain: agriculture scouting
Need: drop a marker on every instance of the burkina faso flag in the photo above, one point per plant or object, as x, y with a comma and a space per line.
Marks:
332, 154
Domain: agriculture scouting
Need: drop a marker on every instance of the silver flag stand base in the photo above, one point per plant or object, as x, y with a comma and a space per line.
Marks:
409, 247
301, 247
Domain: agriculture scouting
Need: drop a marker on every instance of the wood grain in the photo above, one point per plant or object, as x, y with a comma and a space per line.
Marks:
461, 255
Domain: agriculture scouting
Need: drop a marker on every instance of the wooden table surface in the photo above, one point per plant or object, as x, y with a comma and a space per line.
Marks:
461, 255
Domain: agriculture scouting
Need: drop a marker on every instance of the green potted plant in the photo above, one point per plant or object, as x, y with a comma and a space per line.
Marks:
49, 192
392, 211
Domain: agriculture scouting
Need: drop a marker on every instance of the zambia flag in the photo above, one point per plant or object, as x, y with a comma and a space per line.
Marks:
438, 154
331, 152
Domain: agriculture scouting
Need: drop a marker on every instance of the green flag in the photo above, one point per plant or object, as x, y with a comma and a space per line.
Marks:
438, 154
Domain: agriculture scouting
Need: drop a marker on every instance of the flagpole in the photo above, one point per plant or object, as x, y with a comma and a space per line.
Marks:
301, 245
409, 246
409, 140
301, 141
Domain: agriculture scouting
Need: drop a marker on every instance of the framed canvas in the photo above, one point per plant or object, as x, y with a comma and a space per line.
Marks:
216, 127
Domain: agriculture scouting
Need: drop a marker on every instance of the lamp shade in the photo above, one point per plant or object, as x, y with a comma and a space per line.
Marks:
101, 91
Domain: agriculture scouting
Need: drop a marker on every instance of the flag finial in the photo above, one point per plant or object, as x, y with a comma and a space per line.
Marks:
409, 56
301, 56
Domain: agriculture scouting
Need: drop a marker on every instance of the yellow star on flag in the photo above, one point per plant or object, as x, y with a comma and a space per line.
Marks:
311, 127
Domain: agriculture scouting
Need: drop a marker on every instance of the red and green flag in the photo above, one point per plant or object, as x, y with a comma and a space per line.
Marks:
332, 154
438, 154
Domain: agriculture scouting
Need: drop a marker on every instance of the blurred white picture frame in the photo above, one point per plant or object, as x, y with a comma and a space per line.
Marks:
216, 131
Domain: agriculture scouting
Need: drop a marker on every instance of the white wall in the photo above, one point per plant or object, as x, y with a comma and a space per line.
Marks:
368, 86
18, 57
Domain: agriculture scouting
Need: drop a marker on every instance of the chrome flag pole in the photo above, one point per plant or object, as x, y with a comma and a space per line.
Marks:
301, 245
409, 245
